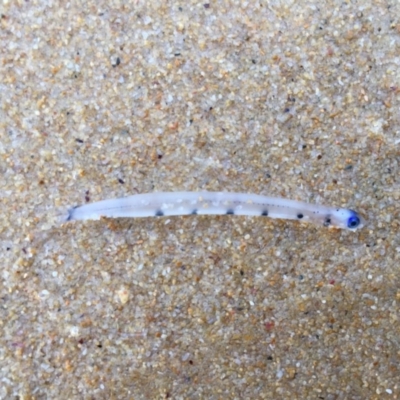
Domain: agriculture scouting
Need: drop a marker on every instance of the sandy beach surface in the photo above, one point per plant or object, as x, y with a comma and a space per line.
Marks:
294, 99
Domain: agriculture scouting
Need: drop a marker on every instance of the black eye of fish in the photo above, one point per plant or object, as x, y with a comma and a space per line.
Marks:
353, 222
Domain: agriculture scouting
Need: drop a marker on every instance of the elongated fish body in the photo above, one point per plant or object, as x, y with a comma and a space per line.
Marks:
216, 203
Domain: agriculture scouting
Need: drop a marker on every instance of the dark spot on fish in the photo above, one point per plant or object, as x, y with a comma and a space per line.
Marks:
327, 221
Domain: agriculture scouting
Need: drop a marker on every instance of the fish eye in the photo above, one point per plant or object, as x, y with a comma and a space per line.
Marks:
353, 222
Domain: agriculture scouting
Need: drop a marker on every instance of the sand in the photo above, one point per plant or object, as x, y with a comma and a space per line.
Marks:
295, 99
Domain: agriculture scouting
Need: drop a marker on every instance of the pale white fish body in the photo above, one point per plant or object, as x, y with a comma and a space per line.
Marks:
216, 203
